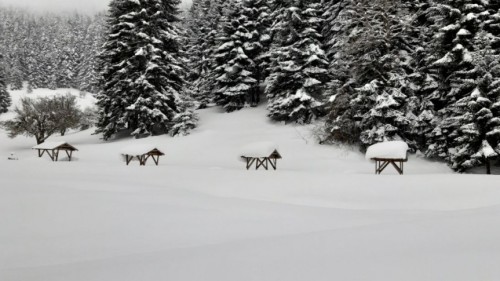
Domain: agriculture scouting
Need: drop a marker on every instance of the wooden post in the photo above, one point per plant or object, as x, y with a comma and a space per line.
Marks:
250, 161
51, 155
488, 166
273, 162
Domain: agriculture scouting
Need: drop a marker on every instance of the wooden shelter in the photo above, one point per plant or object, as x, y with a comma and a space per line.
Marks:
142, 154
52, 149
394, 153
263, 154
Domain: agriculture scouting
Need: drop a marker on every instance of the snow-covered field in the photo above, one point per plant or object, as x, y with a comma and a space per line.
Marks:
199, 215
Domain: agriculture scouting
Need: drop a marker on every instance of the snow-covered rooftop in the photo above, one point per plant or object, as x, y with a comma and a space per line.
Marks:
259, 149
138, 149
49, 145
389, 149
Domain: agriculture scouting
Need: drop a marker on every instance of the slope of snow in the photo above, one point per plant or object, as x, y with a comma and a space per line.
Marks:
200, 215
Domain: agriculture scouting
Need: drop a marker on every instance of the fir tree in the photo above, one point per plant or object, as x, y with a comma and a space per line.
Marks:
475, 140
240, 57
458, 99
206, 18
143, 85
372, 59
299, 66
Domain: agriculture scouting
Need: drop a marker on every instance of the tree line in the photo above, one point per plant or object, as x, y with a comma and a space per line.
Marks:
50, 50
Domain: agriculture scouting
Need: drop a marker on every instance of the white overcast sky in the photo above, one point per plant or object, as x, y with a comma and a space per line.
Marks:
63, 5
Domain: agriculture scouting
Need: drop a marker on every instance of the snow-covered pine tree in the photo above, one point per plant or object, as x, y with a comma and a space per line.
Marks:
198, 27
241, 56
422, 83
456, 66
143, 86
299, 73
258, 15
477, 138
205, 21
235, 69
371, 63
87, 77
5, 99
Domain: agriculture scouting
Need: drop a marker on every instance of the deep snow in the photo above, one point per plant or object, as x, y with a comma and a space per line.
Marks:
200, 215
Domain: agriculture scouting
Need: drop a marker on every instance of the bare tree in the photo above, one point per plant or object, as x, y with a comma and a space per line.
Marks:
42, 117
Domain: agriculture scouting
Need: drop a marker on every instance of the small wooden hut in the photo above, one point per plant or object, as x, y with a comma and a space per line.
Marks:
142, 154
394, 153
263, 154
52, 149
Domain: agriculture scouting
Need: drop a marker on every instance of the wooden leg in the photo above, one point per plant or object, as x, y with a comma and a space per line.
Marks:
51, 155
259, 163
273, 162
69, 153
156, 159
398, 168
381, 165
250, 161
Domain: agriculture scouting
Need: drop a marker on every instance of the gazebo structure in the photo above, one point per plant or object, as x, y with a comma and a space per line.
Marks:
53, 148
390, 152
263, 154
142, 154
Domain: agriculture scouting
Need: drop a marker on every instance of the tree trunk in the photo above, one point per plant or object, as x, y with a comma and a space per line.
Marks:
488, 166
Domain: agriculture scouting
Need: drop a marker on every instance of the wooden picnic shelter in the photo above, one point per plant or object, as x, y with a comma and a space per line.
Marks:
263, 154
52, 149
393, 153
142, 154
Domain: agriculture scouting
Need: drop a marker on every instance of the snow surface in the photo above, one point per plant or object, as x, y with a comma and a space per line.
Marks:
259, 149
388, 149
139, 149
49, 145
200, 215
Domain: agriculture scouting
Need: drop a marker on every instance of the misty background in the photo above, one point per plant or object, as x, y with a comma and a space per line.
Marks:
86, 6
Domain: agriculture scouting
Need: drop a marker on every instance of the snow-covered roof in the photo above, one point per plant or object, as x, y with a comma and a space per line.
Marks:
259, 149
52, 145
389, 149
138, 149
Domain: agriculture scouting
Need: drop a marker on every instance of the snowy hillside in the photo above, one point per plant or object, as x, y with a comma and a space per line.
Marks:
199, 215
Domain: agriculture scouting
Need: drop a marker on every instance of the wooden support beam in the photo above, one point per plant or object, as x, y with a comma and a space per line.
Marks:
51, 155
250, 161
381, 164
156, 159
69, 153
398, 168
273, 162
